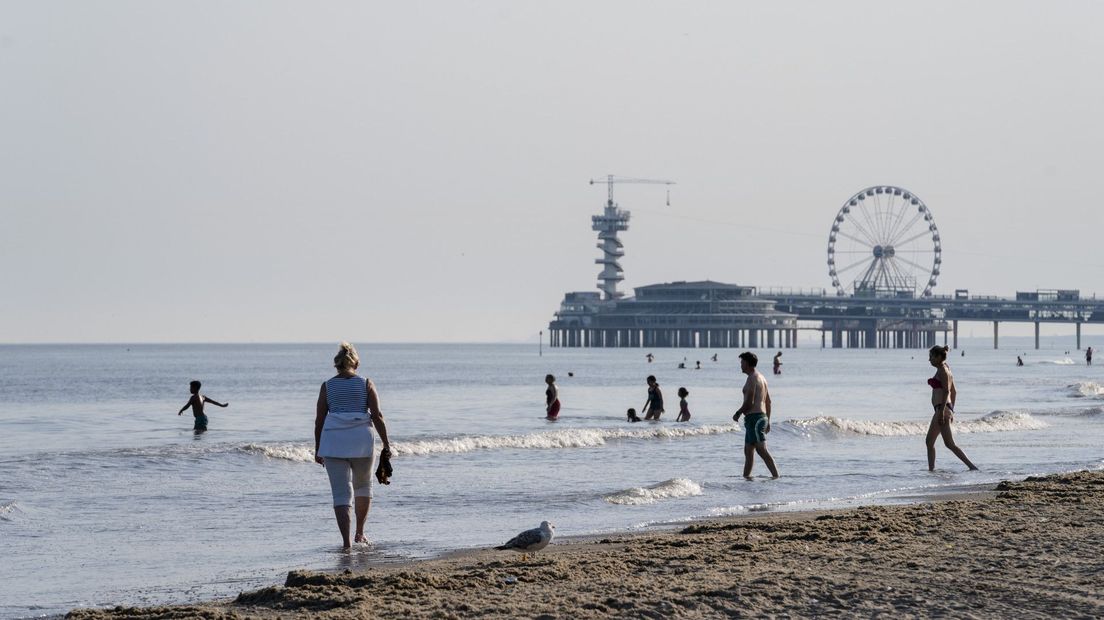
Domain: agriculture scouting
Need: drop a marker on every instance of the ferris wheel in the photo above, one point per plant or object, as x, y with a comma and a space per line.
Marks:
884, 242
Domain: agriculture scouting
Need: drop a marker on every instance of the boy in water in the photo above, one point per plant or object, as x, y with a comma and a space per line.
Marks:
196, 402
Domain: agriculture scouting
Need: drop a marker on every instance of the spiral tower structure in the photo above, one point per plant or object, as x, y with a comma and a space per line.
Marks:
612, 221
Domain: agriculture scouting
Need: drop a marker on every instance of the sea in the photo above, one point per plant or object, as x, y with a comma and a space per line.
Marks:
108, 497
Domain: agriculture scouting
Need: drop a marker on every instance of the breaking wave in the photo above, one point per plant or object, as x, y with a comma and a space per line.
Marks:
8, 510
668, 489
1086, 389
550, 440
286, 451
992, 422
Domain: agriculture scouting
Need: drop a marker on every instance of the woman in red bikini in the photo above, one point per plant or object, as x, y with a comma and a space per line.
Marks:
943, 399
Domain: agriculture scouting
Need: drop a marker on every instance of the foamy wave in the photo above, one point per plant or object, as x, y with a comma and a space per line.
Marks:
993, 422
1001, 421
668, 489
1062, 362
287, 451
550, 440
1086, 389
8, 510
844, 426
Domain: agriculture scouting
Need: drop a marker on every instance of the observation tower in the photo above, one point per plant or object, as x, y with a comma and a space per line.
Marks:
612, 221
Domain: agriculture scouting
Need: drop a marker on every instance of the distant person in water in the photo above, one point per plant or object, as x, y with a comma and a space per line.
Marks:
684, 409
348, 408
196, 402
778, 363
757, 411
697, 365
714, 357
1019, 361
682, 365
632, 417
649, 357
653, 407
1088, 356
551, 398
943, 398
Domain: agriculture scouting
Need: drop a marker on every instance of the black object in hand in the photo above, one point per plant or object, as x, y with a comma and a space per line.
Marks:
384, 470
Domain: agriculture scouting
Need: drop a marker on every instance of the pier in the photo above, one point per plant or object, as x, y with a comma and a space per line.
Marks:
885, 237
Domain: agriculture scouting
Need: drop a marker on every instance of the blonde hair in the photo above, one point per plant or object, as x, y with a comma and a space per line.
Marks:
346, 357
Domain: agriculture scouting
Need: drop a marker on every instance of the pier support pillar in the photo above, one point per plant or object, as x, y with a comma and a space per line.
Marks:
1036, 335
996, 333
954, 324
1078, 336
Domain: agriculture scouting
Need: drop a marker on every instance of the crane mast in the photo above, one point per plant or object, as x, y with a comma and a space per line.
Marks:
612, 221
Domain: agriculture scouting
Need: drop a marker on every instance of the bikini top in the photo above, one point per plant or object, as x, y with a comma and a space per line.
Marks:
935, 384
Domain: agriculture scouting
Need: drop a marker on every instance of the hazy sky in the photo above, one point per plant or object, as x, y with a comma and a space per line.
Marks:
417, 171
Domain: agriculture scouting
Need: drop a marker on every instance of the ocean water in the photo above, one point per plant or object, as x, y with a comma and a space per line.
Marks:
107, 496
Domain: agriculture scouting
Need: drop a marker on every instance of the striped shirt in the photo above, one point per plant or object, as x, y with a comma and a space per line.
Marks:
347, 394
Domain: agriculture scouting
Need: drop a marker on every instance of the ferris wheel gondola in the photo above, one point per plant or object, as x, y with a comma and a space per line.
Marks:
884, 241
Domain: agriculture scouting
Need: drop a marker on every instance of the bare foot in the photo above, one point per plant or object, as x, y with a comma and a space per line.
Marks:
361, 538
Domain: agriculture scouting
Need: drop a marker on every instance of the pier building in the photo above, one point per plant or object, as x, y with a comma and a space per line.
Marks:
677, 314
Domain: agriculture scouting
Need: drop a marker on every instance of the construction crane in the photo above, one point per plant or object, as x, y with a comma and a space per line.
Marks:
612, 179
612, 221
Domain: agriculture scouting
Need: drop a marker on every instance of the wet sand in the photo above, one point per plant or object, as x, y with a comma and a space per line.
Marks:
1033, 548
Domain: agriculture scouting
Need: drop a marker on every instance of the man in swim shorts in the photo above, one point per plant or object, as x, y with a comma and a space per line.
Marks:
756, 410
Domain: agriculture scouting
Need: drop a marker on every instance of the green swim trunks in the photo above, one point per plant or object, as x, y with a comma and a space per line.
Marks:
201, 422
755, 425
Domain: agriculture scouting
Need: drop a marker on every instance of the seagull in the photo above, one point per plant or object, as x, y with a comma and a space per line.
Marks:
531, 540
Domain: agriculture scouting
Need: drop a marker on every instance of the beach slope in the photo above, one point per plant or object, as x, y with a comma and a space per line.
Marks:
1030, 549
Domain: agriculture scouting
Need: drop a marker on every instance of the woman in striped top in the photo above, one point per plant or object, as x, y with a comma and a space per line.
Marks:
348, 408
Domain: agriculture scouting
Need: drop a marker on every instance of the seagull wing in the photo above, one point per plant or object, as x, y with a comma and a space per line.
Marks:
524, 540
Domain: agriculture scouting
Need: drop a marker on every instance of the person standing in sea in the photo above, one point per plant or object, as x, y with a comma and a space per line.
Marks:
196, 402
551, 398
348, 407
943, 398
653, 407
757, 411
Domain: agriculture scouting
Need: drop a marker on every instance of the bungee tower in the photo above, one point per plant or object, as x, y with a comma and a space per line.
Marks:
608, 224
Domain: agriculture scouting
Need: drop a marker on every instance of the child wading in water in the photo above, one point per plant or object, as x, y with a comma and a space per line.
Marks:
196, 402
653, 407
551, 398
684, 410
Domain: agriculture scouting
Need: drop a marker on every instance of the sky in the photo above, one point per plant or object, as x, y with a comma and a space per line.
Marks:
418, 171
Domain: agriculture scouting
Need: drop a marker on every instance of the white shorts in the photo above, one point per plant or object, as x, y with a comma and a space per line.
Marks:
349, 478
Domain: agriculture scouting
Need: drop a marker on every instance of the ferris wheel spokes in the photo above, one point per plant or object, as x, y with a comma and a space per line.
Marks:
882, 230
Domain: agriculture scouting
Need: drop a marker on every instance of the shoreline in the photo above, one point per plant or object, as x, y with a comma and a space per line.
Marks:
1024, 548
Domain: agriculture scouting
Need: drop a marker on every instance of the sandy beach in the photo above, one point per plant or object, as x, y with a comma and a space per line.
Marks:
1026, 549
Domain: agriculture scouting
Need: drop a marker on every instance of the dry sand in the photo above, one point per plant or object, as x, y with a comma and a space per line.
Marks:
1030, 549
